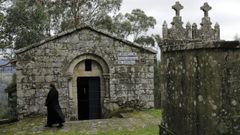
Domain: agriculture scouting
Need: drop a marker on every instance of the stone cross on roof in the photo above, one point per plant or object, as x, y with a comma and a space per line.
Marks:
177, 7
205, 8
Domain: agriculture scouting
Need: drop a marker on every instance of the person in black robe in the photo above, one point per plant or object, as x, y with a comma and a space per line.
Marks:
54, 112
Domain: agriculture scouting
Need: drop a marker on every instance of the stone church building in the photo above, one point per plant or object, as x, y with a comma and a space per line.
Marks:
96, 74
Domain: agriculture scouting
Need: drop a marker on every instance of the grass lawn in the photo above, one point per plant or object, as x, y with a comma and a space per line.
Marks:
134, 123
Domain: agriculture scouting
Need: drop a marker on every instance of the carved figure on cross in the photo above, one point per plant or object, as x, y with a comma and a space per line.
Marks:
206, 8
177, 7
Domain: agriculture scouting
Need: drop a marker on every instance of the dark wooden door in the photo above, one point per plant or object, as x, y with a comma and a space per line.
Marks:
83, 94
88, 98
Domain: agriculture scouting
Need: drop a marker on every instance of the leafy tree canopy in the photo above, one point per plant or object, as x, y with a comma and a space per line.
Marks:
134, 24
140, 22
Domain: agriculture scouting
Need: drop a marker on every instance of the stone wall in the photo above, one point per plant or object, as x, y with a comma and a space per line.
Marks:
130, 84
200, 86
200, 77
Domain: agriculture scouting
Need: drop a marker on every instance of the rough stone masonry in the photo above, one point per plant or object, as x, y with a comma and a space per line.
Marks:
200, 79
125, 69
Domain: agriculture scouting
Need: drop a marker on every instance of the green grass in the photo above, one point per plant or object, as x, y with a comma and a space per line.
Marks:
137, 123
154, 112
138, 131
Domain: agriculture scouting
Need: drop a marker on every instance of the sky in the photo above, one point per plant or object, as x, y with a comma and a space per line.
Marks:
224, 12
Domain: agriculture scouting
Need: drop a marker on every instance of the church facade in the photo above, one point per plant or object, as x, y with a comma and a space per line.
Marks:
95, 73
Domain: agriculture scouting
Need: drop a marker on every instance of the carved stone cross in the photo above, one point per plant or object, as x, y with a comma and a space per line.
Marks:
177, 7
205, 8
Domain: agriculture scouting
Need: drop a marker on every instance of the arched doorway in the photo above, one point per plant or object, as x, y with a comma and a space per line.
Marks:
88, 86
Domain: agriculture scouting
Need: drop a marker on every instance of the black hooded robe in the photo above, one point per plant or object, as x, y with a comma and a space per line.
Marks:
54, 112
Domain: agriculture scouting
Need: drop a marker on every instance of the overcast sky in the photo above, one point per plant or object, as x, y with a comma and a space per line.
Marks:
225, 12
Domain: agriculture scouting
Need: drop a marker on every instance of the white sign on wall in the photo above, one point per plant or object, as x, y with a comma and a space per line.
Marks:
128, 58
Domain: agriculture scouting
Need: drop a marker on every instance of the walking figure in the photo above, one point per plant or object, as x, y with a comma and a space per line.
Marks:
54, 112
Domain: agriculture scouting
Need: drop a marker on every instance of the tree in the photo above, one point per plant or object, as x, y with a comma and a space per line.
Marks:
76, 12
1, 29
4, 47
140, 22
145, 40
25, 23
236, 37
2, 10
134, 24
118, 25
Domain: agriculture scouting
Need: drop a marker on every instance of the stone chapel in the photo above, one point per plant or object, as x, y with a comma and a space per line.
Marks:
95, 73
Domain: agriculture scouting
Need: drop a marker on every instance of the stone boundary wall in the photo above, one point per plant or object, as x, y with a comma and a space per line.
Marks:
200, 79
200, 87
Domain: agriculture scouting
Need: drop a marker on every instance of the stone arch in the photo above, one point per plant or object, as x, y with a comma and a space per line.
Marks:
102, 72
100, 60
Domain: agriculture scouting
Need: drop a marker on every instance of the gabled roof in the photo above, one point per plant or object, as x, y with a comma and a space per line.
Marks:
24, 49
